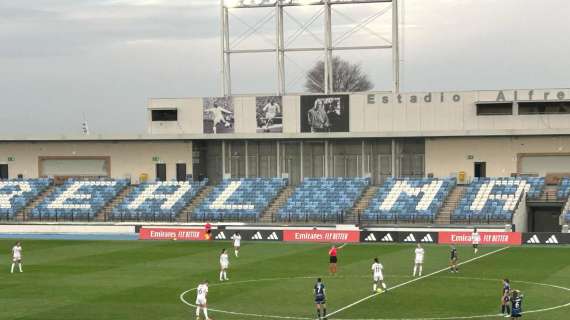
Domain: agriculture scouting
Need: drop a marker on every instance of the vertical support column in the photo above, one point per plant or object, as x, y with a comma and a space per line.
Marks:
280, 48
395, 47
364, 171
328, 84
223, 159
222, 51
326, 158
230, 158
394, 158
246, 160
301, 150
278, 159
227, 52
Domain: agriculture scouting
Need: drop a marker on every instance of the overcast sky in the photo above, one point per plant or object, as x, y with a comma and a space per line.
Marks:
105, 58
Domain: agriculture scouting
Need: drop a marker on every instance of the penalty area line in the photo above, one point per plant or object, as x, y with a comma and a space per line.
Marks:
413, 280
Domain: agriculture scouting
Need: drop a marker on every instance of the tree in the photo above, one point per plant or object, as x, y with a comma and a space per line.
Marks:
347, 77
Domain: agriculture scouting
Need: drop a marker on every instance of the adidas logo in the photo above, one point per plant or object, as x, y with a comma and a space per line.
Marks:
220, 236
410, 238
370, 237
273, 236
257, 236
427, 238
552, 240
387, 238
534, 239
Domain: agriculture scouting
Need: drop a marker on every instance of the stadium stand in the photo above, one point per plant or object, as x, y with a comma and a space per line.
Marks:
239, 199
495, 199
152, 201
16, 194
536, 186
408, 200
78, 200
322, 199
564, 188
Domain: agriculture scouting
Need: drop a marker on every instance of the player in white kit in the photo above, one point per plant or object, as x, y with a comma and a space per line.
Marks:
237, 243
377, 276
224, 264
202, 300
475, 239
419, 260
219, 117
17, 256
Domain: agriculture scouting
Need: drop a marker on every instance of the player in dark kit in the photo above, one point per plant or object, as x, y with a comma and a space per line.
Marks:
320, 299
516, 301
505, 297
453, 259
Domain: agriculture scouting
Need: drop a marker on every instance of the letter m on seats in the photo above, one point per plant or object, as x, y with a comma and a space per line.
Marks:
427, 192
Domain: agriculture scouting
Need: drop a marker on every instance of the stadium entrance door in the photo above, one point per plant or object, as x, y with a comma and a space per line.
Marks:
544, 219
480, 170
3, 172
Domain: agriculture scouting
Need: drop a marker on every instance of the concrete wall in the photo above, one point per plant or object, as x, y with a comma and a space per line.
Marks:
383, 114
126, 158
445, 156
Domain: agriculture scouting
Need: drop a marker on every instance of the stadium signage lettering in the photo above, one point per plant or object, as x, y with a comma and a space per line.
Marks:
512, 238
530, 95
321, 236
426, 98
171, 234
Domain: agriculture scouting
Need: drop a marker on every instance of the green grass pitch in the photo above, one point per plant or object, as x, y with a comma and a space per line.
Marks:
143, 280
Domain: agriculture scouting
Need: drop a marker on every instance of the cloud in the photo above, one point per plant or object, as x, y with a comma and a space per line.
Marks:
106, 57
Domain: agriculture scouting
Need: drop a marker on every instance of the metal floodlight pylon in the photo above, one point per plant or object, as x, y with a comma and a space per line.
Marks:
281, 45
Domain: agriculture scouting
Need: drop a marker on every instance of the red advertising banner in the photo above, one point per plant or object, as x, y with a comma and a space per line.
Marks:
172, 234
510, 238
321, 235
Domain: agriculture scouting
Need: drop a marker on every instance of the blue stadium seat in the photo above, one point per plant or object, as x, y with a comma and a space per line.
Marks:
322, 199
564, 188
78, 199
239, 199
17, 194
157, 201
495, 199
409, 199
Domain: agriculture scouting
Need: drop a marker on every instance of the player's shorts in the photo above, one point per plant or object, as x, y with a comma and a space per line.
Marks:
378, 277
333, 259
454, 259
16, 258
200, 301
419, 261
224, 265
516, 315
320, 299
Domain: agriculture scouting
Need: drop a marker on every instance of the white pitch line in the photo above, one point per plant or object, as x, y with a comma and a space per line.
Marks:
412, 281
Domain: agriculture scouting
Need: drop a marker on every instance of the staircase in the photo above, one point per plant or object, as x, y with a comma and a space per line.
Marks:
24, 214
268, 215
196, 201
361, 204
105, 212
450, 204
